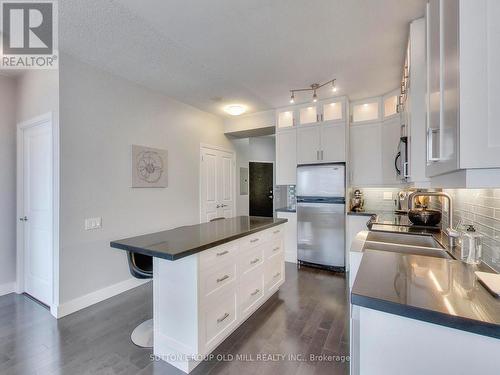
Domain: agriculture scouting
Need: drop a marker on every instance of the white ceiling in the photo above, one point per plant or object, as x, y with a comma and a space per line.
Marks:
211, 53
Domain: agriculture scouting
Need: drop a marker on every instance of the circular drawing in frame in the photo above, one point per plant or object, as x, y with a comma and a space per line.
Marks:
149, 165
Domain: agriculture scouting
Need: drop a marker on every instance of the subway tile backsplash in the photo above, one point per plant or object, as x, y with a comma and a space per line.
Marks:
374, 198
481, 208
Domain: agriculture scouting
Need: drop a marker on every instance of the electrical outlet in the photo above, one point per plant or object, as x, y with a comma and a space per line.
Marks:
93, 223
387, 196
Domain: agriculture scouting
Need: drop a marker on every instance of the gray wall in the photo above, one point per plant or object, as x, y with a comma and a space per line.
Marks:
7, 184
101, 117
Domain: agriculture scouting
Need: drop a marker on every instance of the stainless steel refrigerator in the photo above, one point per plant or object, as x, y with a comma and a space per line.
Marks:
321, 215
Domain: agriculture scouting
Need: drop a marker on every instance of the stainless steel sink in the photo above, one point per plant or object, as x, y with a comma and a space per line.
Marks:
405, 243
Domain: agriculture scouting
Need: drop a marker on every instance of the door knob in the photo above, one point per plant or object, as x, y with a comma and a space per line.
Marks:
23, 218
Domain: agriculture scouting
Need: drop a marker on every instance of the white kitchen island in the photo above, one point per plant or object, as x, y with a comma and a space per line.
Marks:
208, 279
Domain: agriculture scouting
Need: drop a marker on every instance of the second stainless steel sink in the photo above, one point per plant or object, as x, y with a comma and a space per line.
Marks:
405, 243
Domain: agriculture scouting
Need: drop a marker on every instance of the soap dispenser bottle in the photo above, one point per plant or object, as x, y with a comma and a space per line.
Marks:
472, 246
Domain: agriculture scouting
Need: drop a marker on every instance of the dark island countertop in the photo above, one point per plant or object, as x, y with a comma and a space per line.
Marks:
286, 209
439, 291
181, 242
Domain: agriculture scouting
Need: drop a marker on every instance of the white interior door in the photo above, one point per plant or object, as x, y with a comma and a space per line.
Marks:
216, 184
225, 190
36, 211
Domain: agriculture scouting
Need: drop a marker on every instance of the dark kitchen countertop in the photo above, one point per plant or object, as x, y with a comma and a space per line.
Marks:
286, 209
363, 213
434, 290
187, 240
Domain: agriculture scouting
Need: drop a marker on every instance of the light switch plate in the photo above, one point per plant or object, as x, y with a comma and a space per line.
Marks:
93, 223
387, 196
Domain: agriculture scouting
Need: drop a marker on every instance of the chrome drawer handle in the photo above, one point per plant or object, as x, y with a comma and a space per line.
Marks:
275, 276
276, 231
254, 240
222, 318
222, 253
255, 292
276, 248
225, 277
256, 260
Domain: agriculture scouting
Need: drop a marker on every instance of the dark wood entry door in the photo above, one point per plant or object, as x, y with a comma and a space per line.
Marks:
261, 189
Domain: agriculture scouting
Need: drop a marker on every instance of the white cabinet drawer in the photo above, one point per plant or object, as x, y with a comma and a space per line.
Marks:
210, 257
254, 240
217, 278
219, 318
251, 292
274, 248
252, 259
277, 231
274, 274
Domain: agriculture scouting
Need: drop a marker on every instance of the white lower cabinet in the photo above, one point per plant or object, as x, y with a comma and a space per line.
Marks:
290, 235
355, 224
251, 291
218, 318
201, 299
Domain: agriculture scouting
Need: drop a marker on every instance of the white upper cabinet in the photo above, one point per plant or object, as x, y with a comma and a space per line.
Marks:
366, 155
442, 132
479, 84
463, 90
286, 157
367, 110
333, 143
390, 105
320, 133
285, 118
332, 110
308, 114
308, 145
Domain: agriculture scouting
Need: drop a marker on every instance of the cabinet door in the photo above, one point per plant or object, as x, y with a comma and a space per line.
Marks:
443, 87
333, 143
365, 152
390, 135
479, 84
285, 118
332, 110
308, 114
286, 157
308, 145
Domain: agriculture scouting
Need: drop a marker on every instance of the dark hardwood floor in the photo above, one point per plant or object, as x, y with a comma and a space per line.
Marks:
309, 316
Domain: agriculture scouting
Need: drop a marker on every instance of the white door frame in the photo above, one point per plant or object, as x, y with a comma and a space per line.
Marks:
21, 127
218, 148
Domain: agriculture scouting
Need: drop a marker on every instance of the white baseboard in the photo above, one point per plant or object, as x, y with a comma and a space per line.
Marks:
7, 288
90, 299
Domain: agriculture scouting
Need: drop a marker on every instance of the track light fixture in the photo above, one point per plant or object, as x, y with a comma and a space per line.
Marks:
314, 87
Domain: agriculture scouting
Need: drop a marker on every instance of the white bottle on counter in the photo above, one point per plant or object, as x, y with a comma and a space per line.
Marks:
472, 246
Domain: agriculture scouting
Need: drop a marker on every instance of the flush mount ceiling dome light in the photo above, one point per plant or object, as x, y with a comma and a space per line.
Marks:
235, 109
314, 87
